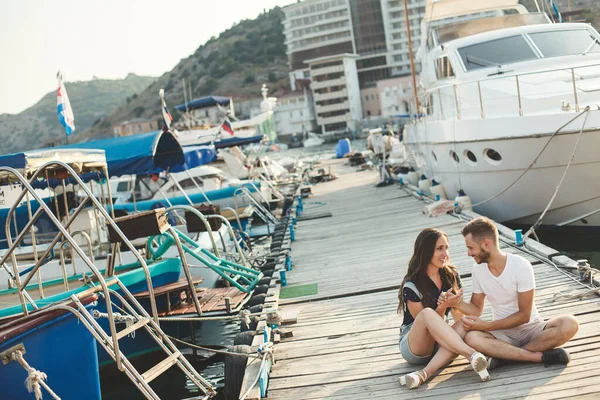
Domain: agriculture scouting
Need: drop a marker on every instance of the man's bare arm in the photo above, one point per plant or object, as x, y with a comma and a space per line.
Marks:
473, 307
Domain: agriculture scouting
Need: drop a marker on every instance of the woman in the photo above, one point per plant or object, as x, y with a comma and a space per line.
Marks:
430, 290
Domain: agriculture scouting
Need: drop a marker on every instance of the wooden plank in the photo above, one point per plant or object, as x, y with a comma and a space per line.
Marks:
346, 343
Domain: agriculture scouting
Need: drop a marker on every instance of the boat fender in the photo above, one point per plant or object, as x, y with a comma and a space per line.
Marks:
463, 201
244, 338
235, 368
255, 309
438, 190
424, 185
264, 281
249, 325
261, 289
413, 177
257, 299
268, 272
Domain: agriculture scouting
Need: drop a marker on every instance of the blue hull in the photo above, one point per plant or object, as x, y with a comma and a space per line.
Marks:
63, 349
197, 198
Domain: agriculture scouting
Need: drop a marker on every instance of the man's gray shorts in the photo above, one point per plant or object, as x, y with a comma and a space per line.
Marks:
521, 335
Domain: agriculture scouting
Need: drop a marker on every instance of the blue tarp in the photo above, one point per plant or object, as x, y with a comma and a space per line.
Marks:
143, 153
204, 102
235, 141
196, 156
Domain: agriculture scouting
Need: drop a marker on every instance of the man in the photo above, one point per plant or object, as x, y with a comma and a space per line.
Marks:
516, 331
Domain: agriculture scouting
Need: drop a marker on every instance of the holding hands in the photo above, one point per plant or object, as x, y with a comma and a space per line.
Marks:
449, 299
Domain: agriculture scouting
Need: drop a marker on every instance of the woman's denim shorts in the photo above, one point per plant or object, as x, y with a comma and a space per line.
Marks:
405, 349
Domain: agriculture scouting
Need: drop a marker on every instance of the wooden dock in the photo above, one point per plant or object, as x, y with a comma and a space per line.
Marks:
345, 343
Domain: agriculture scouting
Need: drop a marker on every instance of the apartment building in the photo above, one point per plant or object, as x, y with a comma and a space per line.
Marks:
374, 30
336, 92
295, 113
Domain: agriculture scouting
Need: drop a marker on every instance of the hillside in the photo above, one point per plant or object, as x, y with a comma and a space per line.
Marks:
235, 64
90, 100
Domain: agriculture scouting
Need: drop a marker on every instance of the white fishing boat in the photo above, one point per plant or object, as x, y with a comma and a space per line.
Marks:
509, 112
313, 140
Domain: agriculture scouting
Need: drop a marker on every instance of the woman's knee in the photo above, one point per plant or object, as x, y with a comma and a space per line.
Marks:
427, 313
474, 339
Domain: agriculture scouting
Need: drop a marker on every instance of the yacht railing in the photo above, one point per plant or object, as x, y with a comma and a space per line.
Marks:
481, 98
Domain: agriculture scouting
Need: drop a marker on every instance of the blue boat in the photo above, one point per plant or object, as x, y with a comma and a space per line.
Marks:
38, 328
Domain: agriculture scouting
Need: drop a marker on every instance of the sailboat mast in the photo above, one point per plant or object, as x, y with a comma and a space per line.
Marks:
411, 56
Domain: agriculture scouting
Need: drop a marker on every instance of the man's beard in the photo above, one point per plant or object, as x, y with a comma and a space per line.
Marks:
484, 257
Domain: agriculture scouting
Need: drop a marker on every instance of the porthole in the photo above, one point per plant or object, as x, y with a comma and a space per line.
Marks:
471, 158
433, 155
492, 156
454, 157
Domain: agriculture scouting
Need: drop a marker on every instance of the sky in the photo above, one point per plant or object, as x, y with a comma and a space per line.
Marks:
104, 39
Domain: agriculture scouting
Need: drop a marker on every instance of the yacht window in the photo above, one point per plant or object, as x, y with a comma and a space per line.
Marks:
496, 52
123, 187
443, 68
564, 43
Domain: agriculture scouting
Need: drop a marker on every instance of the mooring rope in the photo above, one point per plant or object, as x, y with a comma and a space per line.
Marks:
585, 111
266, 349
541, 217
35, 378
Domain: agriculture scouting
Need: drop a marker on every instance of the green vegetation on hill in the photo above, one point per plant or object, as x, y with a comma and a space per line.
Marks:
236, 64
91, 101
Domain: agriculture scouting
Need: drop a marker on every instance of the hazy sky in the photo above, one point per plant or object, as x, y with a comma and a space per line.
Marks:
103, 38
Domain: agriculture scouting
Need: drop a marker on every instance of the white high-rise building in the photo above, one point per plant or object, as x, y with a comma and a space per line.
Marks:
336, 92
374, 30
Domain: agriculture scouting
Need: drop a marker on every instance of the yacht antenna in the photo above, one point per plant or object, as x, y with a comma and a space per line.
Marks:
410, 55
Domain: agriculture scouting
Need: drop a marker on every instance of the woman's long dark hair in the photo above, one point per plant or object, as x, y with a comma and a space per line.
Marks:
417, 267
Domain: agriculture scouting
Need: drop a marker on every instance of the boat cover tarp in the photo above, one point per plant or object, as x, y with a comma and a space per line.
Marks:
143, 153
196, 156
204, 102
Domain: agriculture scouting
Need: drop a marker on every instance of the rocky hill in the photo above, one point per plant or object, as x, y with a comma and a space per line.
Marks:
91, 101
235, 64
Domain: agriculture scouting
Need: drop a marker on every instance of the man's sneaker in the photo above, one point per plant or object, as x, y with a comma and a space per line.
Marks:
494, 362
555, 356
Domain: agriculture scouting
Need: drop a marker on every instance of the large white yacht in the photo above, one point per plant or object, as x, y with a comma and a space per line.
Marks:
503, 106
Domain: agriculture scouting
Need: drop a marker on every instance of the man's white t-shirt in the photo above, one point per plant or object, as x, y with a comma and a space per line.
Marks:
502, 291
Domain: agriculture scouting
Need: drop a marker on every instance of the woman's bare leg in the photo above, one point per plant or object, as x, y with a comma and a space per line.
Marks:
443, 356
429, 325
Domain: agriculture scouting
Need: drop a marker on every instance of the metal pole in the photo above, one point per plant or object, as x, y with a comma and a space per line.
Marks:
34, 248
519, 95
410, 54
133, 193
574, 89
198, 186
180, 188
480, 99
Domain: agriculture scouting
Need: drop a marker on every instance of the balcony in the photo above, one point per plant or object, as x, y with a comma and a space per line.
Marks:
332, 95
328, 83
327, 70
332, 107
334, 120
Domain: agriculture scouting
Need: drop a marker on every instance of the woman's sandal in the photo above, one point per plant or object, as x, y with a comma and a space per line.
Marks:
414, 379
479, 364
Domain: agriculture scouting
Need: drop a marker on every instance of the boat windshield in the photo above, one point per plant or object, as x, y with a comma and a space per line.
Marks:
517, 48
565, 42
496, 52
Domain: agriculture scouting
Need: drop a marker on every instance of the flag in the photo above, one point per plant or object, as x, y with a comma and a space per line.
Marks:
63, 106
227, 126
167, 117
